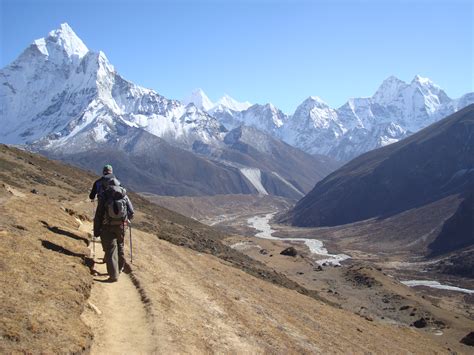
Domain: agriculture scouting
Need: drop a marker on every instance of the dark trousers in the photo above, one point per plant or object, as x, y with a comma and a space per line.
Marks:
112, 243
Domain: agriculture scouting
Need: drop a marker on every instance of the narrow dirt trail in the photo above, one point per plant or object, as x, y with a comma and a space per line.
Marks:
116, 314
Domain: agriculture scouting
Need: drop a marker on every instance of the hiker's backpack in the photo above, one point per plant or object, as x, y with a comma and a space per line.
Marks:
103, 183
116, 204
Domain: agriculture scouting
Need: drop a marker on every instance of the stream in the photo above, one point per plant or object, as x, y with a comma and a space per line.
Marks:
262, 224
435, 284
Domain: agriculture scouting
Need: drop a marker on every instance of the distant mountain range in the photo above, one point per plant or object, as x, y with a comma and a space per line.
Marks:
62, 99
68, 102
201, 101
395, 111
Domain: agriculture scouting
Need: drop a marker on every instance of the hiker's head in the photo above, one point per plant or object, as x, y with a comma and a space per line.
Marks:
107, 169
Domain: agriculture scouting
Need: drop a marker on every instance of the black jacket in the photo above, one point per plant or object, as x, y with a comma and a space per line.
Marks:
100, 185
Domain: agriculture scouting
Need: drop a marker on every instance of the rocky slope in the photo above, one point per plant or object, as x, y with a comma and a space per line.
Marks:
148, 163
273, 166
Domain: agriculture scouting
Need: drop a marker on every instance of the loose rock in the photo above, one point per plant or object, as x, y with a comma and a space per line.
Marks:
420, 323
289, 252
468, 339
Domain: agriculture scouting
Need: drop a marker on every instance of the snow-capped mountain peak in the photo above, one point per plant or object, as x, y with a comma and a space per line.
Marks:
313, 113
396, 110
60, 41
315, 101
423, 81
271, 107
228, 102
389, 90
199, 98
58, 92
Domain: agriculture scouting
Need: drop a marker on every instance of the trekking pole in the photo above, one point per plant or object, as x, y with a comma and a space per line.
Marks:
92, 235
131, 247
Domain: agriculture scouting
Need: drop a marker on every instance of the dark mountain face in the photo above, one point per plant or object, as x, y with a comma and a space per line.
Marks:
269, 165
460, 263
147, 163
436, 162
458, 231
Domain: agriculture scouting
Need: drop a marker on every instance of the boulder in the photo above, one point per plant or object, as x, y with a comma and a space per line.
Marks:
420, 323
289, 252
468, 339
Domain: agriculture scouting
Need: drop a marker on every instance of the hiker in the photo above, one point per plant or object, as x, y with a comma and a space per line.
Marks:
113, 212
101, 184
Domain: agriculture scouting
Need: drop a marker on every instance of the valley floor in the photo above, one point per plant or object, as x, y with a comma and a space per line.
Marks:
367, 284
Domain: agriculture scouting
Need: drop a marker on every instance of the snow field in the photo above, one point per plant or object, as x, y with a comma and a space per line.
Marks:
255, 178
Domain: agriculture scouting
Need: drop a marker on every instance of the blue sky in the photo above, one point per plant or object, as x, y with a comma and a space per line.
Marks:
262, 50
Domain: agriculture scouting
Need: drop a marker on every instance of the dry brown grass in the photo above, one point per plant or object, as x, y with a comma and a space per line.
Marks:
46, 284
201, 304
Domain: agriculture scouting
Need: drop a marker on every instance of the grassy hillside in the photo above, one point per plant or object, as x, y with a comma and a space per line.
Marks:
198, 294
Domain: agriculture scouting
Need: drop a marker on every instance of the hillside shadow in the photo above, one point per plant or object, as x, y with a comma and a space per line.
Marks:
89, 262
65, 233
57, 248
